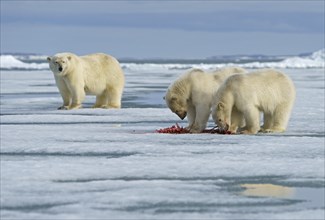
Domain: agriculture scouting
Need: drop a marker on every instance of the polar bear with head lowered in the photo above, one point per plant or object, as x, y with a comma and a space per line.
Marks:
191, 95
95, 74
245, 96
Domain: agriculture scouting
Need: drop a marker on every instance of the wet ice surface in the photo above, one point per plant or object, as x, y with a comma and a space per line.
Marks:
102, 164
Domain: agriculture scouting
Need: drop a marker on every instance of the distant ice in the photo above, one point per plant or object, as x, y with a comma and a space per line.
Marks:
315, 60
10, 62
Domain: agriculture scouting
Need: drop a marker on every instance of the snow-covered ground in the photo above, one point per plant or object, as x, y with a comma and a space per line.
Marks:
110, 164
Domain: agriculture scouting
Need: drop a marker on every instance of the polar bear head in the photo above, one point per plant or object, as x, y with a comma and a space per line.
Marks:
59, 63
221, 116
178, 95
176, 103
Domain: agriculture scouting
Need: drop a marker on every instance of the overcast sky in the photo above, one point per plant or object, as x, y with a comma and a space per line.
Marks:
165, 29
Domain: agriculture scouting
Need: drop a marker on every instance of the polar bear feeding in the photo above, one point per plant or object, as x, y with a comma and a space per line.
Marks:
192, 93
245, 96
95, 74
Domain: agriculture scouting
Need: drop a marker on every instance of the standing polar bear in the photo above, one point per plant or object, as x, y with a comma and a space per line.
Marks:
245, 96
192, 93
95, 74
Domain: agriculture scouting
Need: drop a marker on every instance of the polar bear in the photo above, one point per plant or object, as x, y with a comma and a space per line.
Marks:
245, 96
191, 95
95, 74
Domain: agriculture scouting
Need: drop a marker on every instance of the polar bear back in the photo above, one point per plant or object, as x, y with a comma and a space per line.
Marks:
205, 84
94, 65
198, 85
264, 88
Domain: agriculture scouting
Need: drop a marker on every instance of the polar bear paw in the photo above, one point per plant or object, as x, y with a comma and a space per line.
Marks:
75, 106
195, 131
64, 107
99, 106
272, 130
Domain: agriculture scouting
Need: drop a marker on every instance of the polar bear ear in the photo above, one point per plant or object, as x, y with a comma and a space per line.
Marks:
69, 57
220, 106
49, 59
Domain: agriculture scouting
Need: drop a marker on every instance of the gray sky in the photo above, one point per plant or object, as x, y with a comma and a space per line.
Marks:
166, 29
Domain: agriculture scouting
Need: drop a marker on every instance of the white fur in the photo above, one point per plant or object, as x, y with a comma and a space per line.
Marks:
245, 96
192, 93
95, 74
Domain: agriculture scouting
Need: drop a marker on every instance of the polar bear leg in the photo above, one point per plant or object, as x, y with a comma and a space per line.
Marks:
64, 91
281, 117
78, 95
114, 96
191, 115
252, 119
268, 123
237, 120
101, 101
201, 118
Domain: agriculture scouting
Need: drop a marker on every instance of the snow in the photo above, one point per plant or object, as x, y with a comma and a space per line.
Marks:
111, 164
315, 60
10, 62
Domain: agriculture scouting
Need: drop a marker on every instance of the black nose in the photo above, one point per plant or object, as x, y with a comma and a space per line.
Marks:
60, 69
181, 115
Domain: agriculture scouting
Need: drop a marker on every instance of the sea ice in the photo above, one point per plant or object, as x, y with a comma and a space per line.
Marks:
111, 164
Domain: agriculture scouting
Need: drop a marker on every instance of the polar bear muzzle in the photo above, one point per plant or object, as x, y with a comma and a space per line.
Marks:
181, 114
59, 66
